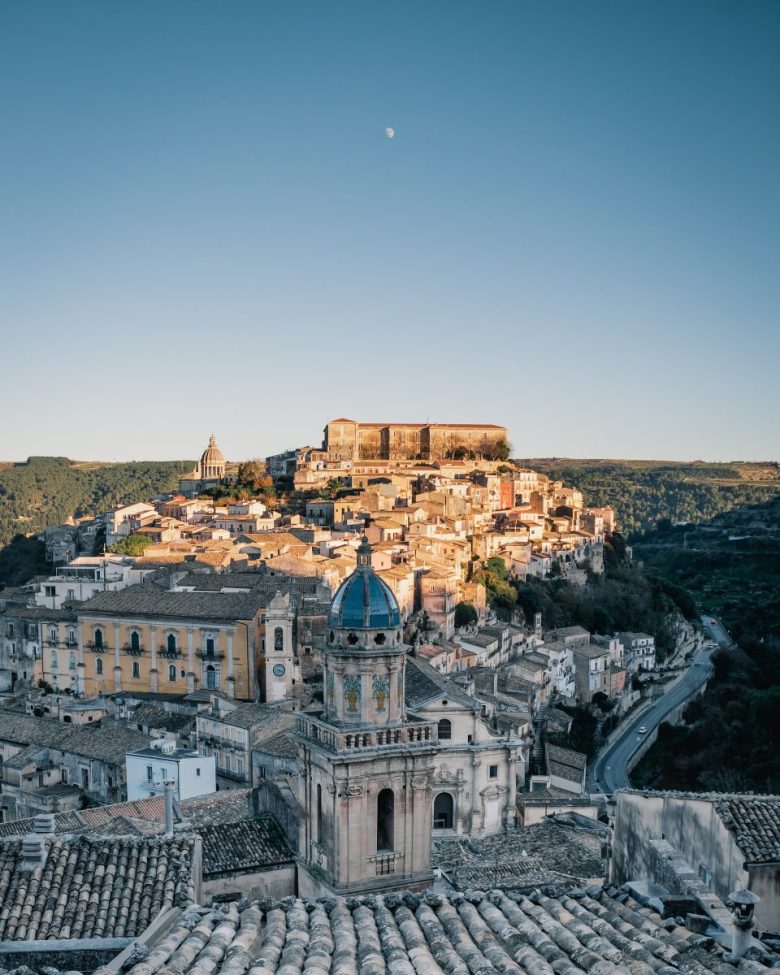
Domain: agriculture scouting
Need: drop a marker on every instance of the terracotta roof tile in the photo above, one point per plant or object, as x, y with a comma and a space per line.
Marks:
88, 888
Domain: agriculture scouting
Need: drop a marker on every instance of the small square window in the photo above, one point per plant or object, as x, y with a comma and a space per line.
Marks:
493, 771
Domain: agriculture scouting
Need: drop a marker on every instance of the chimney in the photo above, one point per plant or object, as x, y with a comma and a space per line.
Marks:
34, 850
168, 808
743, 906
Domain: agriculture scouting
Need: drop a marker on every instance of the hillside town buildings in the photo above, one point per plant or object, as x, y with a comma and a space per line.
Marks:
309, 695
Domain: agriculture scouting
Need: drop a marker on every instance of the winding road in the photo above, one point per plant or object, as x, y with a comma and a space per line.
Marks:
609, 770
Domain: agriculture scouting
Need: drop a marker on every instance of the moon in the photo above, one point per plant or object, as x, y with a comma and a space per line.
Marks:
390, 132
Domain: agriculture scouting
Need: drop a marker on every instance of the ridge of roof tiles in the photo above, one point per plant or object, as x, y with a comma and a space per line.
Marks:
589, 929
104, 743
145, 599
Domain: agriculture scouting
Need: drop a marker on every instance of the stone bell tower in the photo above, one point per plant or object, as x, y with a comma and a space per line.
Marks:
279, 649
366, 771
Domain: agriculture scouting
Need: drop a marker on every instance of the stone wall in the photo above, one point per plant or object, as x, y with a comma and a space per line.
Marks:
276, 883
279, 802
692, 829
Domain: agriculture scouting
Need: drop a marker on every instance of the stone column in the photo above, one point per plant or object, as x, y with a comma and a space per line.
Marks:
117, 662
231, 683
510, 813
153, 671
190, 660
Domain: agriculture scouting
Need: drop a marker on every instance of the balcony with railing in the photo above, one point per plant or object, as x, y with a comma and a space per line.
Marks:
205, 654
387, 864
410, 735
155, 784
213, 740
169, 653
133, 651
97, 647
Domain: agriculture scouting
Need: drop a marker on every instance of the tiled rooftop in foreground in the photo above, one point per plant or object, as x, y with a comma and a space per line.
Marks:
601, 932
93, 888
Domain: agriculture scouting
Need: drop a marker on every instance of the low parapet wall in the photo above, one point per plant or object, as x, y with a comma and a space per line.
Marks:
67, 955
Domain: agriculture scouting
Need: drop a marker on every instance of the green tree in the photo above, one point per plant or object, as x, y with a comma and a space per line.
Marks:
465, 613
134, 545
502, 450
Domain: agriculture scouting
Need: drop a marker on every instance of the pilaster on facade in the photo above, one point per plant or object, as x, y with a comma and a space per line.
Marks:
153, 671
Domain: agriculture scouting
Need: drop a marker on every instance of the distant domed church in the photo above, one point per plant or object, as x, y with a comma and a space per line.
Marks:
210, 471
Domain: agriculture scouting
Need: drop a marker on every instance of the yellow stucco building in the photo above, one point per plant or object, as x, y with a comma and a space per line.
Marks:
145, 638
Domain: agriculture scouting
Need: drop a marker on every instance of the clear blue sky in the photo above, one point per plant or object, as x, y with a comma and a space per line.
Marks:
203, 225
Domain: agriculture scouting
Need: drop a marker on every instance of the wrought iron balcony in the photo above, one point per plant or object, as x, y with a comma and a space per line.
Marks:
97, 648
210, 654
165, 651
138, 651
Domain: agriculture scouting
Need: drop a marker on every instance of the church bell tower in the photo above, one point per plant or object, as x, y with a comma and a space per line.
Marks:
366, 771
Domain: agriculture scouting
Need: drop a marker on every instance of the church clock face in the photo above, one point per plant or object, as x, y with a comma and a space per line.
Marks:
279, 670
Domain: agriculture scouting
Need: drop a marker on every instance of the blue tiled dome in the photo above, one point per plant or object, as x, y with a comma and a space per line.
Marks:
364, 601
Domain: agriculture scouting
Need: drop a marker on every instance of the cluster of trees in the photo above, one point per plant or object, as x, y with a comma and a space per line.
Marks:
252, 481
21, 559
731, 736
624, 598
488, 451
645, 492
49, 490
501, 591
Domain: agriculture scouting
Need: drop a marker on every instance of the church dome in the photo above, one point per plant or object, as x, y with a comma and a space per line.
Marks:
212, 460
364, 601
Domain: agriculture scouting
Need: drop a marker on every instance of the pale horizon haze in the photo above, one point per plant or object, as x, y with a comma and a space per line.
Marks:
251, 217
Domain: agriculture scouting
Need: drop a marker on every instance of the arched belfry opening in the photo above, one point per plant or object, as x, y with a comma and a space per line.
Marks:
385, 821
443, 810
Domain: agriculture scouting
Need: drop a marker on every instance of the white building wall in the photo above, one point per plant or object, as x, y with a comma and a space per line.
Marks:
195, 776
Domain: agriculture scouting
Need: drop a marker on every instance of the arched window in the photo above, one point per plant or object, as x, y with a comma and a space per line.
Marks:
278, 638
54, 661
136, 670
211, 678
53, 634
319, 814
171, 643
99, 666
172, 672
71, 636
442, 811
98, 636
445, 730
72, 662
385, 816
135, 641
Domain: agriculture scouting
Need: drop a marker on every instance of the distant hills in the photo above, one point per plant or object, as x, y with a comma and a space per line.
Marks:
645, 492
49, 490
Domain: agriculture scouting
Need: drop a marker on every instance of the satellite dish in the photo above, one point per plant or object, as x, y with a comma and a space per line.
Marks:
390, 132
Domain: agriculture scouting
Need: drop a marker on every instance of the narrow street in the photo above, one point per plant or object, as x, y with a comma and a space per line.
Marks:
609, 770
